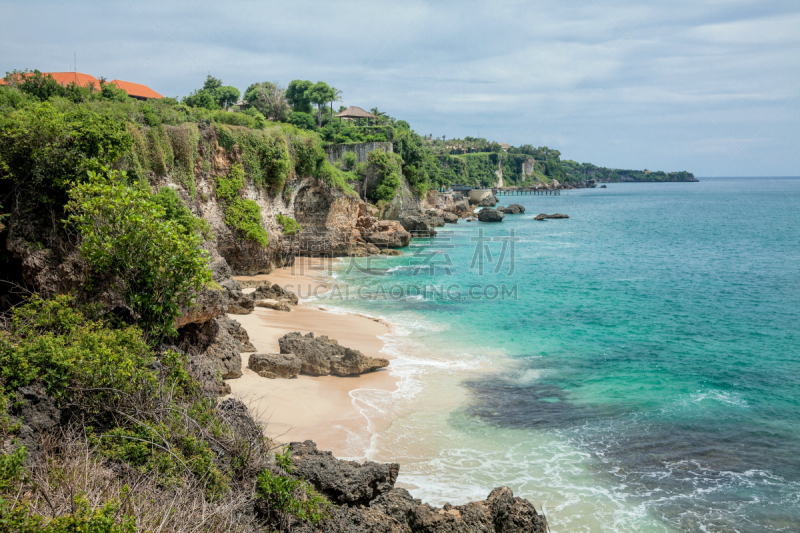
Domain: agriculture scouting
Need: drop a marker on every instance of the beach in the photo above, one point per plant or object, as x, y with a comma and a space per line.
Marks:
308, 407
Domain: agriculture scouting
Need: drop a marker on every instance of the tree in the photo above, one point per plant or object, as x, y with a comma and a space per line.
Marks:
337, 97
126, 239
211, 83
226, 95
320, 93
269, 99
296, 95
201, 98
301, 120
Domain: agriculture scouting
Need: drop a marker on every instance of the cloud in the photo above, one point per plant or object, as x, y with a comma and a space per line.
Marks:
671, 85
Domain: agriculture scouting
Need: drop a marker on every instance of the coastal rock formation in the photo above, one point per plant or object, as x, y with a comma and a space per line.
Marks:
274, 292
274, 365
512, 209
418, 225
450, 218
387, 233
238, 333
342, 482
322, 356
212, 341
488, 214
277, 305
542, 216
369, 501
36, 413
489, 201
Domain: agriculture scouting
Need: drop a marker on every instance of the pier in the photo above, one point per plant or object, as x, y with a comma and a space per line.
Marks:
525, 190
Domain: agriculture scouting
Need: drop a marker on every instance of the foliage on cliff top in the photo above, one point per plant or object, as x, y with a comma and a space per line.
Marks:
129, 242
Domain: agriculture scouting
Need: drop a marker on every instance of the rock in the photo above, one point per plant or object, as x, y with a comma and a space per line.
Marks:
387, 233
388, 251
342, 482
281, 365
274, 292
514, 209
603, 186
274, 304
36, 413
500, 512
239, 303
542, 216
205, 372
417, 225
238, 333
322, 356
212, 341
210, 303
488, 214
489, 201
450, 218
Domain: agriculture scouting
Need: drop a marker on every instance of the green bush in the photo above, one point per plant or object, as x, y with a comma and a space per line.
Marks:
127, 241
183, 140
308, 155
284, 494
290, 226
43, 150
228, 187
387, 167
245, 217
302, 120
349, 160
176, 211
265, 156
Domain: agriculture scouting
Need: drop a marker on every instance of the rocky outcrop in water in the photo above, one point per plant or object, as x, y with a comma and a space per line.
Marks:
488, 214
385, 233
543, 216
369, 501
321, 356
512, 209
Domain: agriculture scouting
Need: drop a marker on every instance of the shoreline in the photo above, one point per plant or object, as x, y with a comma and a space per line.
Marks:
318, 408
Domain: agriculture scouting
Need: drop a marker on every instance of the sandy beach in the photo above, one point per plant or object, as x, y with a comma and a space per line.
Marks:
307, 407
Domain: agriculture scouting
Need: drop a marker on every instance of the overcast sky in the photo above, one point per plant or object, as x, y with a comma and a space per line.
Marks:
709, 86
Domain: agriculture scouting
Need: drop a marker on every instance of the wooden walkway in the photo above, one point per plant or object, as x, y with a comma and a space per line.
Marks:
517, 192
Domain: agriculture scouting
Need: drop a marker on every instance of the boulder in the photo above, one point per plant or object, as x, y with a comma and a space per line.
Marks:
239, 303
277, 305
342, 482
540, 216
386, 233
274, 292
36, 412
238, 333
514, 209
274, 365
212, 342
418, 225
450, 218
488, 214
489, 201
322, 356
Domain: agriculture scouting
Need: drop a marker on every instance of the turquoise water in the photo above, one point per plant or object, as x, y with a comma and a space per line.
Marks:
640, 371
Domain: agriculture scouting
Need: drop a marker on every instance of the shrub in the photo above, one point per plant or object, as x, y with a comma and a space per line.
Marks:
387, 167
349, 160
302, 120
183, 140
287, 495
290, 226
265, 156
228, 187
127, 240
176, 211
245, 217
308, 155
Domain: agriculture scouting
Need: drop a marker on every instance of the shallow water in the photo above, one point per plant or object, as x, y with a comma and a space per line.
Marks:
638, 368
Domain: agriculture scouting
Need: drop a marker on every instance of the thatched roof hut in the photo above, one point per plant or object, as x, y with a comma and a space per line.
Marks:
354, 112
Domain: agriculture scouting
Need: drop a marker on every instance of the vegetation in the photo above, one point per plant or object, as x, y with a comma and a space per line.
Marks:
387, 167
241, 214
129, 243
290, 226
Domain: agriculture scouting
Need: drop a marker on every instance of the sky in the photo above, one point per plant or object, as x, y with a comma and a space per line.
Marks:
708, 86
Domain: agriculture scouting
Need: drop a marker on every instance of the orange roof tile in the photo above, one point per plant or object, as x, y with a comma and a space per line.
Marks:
65, 78
136, 89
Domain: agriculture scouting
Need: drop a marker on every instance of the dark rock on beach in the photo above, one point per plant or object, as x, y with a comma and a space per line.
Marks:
322, 356
275, 365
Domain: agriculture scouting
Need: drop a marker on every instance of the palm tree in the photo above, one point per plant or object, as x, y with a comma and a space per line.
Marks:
337, 97
378, 115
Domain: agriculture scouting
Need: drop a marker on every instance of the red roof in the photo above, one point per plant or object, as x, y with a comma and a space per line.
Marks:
65, 78
136, 89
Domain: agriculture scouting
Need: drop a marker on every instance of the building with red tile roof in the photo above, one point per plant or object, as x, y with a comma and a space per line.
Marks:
136, 90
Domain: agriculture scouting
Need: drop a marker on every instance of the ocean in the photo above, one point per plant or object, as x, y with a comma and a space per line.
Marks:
635, 367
